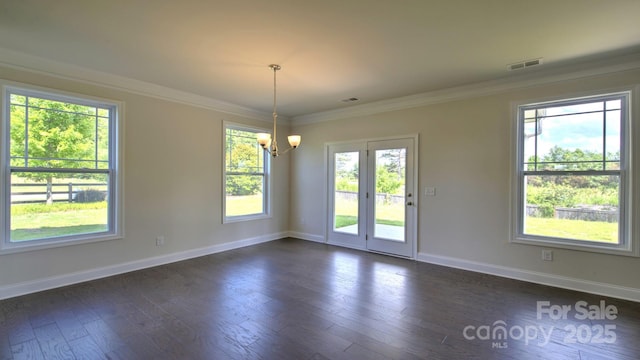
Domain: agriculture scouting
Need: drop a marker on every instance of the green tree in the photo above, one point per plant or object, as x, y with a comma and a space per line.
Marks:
394, 160
387, 182
577, 160
53, 134
390, 171
346, 169
347, 165
243, 159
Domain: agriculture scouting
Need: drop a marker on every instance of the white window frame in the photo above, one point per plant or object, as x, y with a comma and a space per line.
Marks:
628, 208
266, 193
116, 166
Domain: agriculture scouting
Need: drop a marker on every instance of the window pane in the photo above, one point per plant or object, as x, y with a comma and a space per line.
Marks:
47, 105
18, 99
104, 113
529, 114
347, 173
614, 104
572, 207
574, 109
58, 135
613, 135
571, 142
530, 145
18, 135
572, 137
46, 205
103, 143
243, 153
244, 195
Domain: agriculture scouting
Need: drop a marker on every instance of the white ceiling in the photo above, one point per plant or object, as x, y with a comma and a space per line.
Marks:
328, 49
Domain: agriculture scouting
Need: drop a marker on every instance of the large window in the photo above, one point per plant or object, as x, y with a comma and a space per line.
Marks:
573, 173
245, 175
60, 169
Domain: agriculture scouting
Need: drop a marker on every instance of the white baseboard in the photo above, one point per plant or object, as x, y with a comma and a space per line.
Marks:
29, 287
306, 236
564, 282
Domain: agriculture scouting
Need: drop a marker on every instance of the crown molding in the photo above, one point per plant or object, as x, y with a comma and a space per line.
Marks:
529, 78
534, 77
34, 64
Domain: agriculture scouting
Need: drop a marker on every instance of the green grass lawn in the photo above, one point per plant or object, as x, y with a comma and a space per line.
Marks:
345, 220
38, 221
346, 215
243, 205
573, 229
387, 214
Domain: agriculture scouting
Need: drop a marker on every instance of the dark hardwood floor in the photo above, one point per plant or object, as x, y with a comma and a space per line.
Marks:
292, 299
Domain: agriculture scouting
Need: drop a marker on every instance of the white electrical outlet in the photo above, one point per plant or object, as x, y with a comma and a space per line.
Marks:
159, 240
547, 255
429, 191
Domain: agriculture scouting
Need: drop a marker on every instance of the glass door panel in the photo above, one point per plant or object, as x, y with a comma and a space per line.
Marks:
346, 218
389, 205
346, 197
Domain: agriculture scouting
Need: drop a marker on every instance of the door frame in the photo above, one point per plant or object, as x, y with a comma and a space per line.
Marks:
412, 231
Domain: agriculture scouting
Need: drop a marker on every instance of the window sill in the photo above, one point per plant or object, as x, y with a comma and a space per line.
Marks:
602, 248
241, 218
12, 248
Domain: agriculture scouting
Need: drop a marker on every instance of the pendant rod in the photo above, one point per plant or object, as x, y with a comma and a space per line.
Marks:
275, 99
267, 141
274, 143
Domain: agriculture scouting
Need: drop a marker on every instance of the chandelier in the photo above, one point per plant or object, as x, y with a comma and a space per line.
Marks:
264, 139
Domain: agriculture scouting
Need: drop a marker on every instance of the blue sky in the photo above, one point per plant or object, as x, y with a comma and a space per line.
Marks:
571, 131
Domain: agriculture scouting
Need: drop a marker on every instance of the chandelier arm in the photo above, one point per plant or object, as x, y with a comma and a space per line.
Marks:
286, 151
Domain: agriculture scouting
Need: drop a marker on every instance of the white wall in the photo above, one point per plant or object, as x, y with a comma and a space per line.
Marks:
465, 148
173, 187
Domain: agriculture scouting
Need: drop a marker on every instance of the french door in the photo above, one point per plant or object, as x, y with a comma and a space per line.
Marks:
371, 201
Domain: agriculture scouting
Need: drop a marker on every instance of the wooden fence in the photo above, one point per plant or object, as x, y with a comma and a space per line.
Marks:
60, 192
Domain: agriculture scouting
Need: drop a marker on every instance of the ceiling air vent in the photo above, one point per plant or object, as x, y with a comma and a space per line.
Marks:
524, 64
